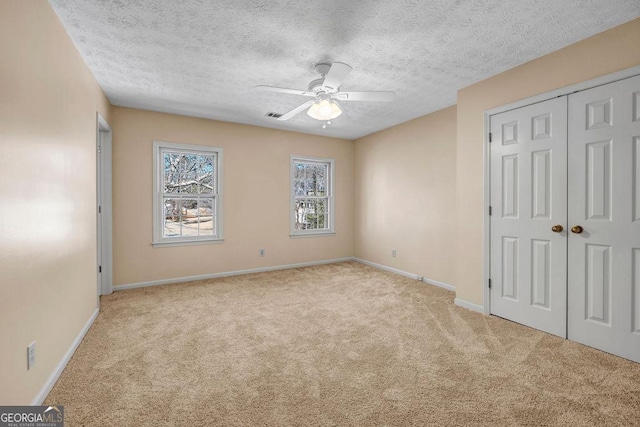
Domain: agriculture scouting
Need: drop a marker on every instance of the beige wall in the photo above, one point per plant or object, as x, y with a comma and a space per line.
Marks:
405, 196
604, 53
256, 197
48, 104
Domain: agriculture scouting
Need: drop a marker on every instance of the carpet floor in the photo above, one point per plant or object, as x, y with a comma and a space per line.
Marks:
331, 345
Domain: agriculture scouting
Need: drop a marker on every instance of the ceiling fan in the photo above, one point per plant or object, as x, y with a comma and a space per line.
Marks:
325, 104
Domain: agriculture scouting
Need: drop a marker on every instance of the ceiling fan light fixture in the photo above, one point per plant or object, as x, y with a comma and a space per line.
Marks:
324, 109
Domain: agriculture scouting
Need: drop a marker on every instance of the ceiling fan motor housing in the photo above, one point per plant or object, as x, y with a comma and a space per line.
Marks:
323, 68
316, 85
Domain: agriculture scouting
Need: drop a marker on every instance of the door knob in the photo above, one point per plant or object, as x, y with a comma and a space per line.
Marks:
557, 228
577, 229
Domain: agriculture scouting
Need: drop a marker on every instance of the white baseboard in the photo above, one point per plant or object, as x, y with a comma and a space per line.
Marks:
385, 268
440, 284
63, 363
406, 274
226, 274
468, 305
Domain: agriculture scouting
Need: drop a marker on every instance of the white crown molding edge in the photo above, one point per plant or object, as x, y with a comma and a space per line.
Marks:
53, 378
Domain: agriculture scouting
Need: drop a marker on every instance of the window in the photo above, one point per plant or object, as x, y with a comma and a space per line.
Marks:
187, 194
312, 205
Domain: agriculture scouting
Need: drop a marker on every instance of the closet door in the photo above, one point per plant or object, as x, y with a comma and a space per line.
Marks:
528, 201
604, 201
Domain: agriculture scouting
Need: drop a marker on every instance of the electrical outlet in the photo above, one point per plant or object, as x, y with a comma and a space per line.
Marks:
31, 355
393, 253
261, 252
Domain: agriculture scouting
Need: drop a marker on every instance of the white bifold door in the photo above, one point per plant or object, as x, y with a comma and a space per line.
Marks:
565, 223
529, 198
604, 217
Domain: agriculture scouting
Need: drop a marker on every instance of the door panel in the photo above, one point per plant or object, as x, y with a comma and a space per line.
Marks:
540, 280
636, 179
510, 196
510, 268
541, 183
636, 291
598, 286
603, 304
598, 188
528, 197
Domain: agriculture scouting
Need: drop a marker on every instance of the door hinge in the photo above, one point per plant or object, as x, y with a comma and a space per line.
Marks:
99, 269
490, 210
99, 209
489, 283
490, 137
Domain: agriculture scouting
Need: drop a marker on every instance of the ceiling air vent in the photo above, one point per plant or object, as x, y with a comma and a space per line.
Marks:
273, 115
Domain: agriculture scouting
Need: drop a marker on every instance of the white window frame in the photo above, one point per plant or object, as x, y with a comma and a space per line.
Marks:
158, 206
330, 199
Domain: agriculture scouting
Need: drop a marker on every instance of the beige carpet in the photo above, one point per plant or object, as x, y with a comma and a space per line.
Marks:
339, 344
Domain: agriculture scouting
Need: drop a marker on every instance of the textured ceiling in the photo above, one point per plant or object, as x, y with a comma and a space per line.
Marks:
202, 58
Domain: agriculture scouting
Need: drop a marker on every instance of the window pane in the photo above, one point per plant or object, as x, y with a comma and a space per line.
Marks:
172, 218
204, 174
171, 183
182, 166
298, 171
206, 219
321, 180
171, 163
206, 184
306, 214
302, 212
205, 165
310, 173
322, 221
321, 206
310, 170
299, 188
189, 163
189, 217
311, 219
188, 183
310, 188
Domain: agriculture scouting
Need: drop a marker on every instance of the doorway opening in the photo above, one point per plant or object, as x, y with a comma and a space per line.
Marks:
104, 222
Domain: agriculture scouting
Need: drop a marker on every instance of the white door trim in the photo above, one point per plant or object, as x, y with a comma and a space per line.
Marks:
598, 81
104, 140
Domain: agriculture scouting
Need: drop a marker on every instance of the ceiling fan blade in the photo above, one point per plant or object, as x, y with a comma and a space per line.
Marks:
284, 90
336, 75
381, 96
298, 109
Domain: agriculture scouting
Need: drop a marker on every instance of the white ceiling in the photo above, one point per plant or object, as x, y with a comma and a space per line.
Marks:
202, 58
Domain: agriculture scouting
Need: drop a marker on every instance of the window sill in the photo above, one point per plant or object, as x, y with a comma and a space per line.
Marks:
319, 234
187, 243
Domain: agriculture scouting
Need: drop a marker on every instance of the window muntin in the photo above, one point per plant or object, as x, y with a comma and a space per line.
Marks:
311, 196
188, 197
